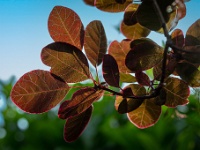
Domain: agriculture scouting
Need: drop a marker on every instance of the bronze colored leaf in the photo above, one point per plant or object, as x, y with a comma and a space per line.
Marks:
178, 37
125, 105
112, 5
193, 34
177, 92
81, 100
189, 73
144, 55
130, 14
135, 31
95, 42
89, 2
110, 70
38, 91
65, 26
146, 115
74, 126
192, 55
66, 61
119, 52
128, 78
142, 78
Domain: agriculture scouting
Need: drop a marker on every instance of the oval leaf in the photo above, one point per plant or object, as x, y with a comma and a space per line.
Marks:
142, 78
178, 38
65, 26
74, 126
66, 61
81, 100
130, 14
177, 92
112, 5
145, 115
110, 70
89, 2
38, 91
95, 43
144, 55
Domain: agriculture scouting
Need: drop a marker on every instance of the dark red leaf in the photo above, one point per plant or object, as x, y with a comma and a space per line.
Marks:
110, 70
142, 78
74, 126
38, 91
178, 38
130, 14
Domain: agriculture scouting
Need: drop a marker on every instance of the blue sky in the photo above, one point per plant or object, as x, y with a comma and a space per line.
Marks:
23, 30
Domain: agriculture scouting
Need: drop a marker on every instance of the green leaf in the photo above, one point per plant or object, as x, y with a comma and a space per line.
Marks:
189, 73
112, 5
65, 26
80, 102
74, 126
128, 78
66, 61
146, 115
95, 43
110, 70
119, 52
177, 92
38, 91
144, 55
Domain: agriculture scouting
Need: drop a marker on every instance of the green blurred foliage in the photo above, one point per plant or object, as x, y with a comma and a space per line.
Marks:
176, 129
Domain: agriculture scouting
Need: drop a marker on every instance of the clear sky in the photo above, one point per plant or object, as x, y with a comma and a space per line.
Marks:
23, 30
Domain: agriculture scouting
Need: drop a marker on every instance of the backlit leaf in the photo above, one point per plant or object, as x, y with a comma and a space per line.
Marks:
146, 115
135, 31
110, 70
192, 55
193, 34
66, 61
123, 104
81, 100
38, 91
65, 26
130, 14
178, 38
74, 126
112, 5
189, 73
95, 42
177, 92
128, 78
119, 52
142, 78
144, 55
89, 2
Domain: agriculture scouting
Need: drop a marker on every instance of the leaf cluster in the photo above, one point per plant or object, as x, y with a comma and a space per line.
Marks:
124, 64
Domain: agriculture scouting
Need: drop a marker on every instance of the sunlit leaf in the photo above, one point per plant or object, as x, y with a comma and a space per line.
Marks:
81, 100
135, 31
119, 52
144, 55
193, 34
74, 126
178, 37
89, 2
95, 42
177, 92
142, 78
65, 26
110, 70
66, 61
123, 104
128, 78
189, 73
112, 5
146, 115
181, 9
38, 91
130, 14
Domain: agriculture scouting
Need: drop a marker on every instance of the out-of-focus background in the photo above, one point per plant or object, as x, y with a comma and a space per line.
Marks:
23, 33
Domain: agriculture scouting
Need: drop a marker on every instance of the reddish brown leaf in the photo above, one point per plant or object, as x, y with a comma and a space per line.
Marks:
65, 26
130, 14
89, 2
81, 100
145, 115
110, 70
192, 55
177, 92
74, 126
119, 52
123, 104
178, 38
142, 78
112, 5
66, 61
95, 42
144, 55
38, 91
